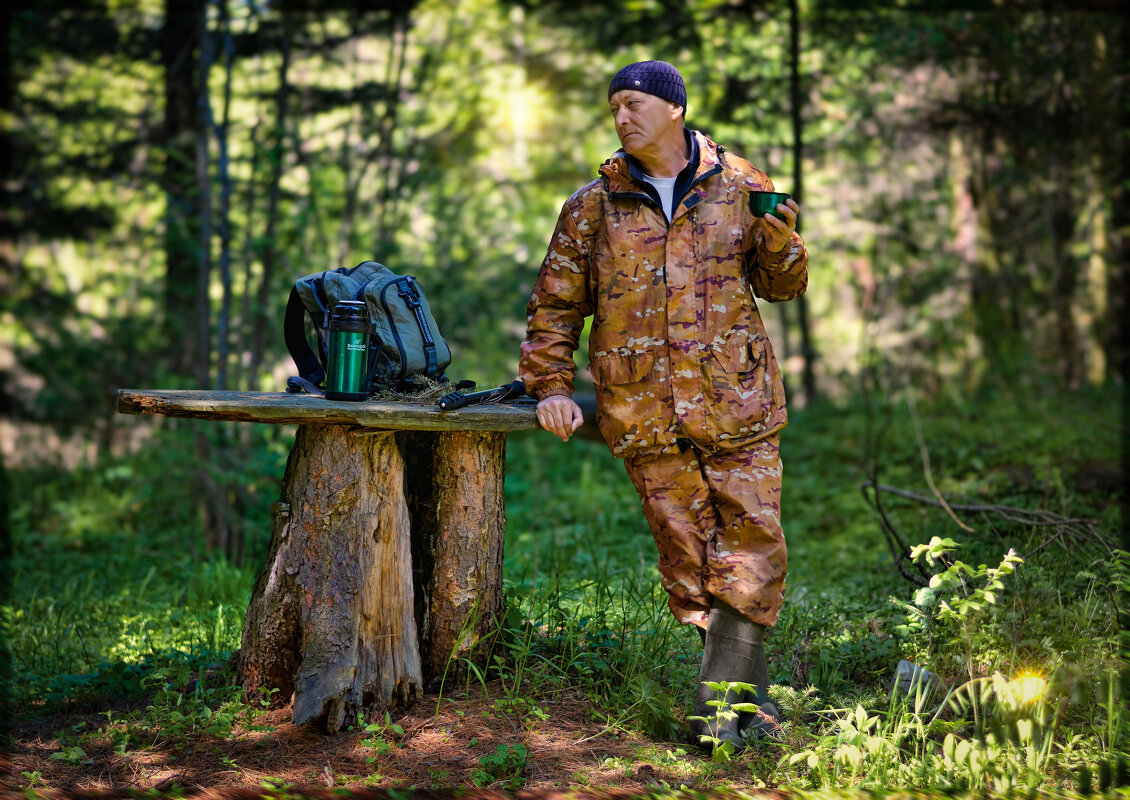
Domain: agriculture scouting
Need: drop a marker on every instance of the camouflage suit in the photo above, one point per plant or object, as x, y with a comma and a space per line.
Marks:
688, 391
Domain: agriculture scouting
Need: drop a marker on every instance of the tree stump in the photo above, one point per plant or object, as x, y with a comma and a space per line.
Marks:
384, 574
458, 521
332, 618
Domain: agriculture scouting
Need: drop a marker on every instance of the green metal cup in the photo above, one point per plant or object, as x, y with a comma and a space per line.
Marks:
348, 374
761, 203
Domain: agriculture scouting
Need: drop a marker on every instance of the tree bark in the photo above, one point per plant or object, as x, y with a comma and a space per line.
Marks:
223, 334
262, 316
331, 618
808, 351
180, 39
458, 523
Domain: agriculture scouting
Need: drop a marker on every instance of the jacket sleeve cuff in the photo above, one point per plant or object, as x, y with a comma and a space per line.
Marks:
542, 392
783, 258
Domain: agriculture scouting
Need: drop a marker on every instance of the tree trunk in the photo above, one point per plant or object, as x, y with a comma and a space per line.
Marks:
246, 324
1065, 271
1116, 330
262, 317
223, 335
214, 508
458, 523
390, 523
202, 304
180, 39
808, 374
331, 618
212, 497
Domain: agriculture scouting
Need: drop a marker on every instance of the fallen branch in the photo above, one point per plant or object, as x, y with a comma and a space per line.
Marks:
1081, 529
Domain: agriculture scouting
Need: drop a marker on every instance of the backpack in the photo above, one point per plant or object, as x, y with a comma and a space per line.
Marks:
405, 342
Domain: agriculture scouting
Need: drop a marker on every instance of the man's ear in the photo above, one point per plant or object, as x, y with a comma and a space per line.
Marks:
676, 110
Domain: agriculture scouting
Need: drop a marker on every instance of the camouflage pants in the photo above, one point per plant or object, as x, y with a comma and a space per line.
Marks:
716, 521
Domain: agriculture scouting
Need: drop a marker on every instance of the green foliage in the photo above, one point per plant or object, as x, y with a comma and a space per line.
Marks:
377, 733
582, 584
958, 596
181, 713
106, 588
724, 711
899, 746
504, 766
73, 755
655, 708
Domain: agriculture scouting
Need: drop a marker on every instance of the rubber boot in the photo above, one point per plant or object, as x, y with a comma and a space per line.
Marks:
765, 723
727, 656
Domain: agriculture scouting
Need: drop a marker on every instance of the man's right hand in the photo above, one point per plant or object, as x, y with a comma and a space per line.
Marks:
559, 415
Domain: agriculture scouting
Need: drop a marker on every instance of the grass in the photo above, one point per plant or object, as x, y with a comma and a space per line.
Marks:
114, 602
845, 623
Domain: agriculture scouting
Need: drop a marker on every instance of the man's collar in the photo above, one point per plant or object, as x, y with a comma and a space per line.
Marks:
625, 176
635, 168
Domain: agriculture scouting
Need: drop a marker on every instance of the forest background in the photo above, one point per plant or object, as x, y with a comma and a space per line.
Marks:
174, 167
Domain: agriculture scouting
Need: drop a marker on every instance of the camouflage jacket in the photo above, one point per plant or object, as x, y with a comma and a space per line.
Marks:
677, 348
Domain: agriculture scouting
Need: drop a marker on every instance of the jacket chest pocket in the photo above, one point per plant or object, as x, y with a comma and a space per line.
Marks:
629, 268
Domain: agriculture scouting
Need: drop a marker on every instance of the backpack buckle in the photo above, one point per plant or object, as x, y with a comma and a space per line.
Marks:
409, 293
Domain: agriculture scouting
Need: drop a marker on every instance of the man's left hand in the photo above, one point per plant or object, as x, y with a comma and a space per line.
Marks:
778, 232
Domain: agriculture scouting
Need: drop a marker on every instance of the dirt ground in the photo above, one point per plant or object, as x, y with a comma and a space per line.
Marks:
440, 749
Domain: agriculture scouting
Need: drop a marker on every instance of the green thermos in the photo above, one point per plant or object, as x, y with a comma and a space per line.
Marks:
349, 330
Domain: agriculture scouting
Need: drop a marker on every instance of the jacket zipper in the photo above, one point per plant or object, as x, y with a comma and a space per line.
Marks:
710, 173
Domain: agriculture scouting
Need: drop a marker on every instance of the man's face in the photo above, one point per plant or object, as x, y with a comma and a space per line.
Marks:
642, 120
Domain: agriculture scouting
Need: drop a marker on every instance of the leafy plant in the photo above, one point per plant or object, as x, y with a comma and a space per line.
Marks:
725, 711
654, 708
505, 764
959, 595
898, 746
73, 755
377, 732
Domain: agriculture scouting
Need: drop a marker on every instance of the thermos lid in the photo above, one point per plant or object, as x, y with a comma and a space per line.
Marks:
351, 308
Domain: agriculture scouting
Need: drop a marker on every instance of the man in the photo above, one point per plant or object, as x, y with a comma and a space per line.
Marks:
662, 251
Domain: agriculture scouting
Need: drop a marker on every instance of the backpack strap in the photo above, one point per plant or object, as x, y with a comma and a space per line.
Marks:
295, 385
411, 296
294, 332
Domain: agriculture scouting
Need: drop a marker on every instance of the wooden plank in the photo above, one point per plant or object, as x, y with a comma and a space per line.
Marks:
280, 408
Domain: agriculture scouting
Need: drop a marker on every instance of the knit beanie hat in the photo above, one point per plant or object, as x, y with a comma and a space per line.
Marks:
652, 77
